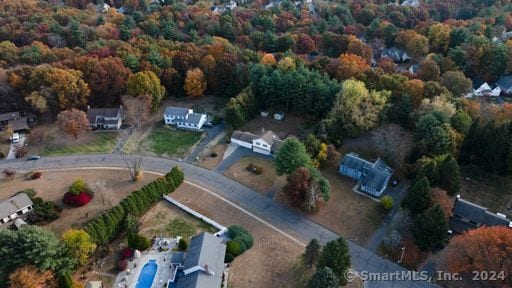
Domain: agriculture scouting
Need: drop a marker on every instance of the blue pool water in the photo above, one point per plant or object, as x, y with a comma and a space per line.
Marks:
147, 275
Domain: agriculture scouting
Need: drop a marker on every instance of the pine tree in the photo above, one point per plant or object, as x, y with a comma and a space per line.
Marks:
431, 229
449, 173
323, 278
430, 171
335, 255
419, 197
311, 253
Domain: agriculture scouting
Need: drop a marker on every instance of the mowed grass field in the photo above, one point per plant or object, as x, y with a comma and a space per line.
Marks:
94, 143
169, 142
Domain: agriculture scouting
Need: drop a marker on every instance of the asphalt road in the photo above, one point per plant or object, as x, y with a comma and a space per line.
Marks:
278, 215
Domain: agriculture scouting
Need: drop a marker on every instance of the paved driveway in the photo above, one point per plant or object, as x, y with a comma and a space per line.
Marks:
211, 134
12, 155
278, 215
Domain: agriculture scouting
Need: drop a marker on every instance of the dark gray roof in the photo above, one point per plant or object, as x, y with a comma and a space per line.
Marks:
194, 118
95, 115
19, 124
204, 249
352, 160
394, 53
469, 210
176, 111
243, 136
376, 179
505, 82
468, 215
13, 204
492, 219
9, 116
177, 257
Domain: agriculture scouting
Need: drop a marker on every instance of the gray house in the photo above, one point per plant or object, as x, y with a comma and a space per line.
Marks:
505, 84
105, 118
14, 207
203, 263
467, 215
373, 177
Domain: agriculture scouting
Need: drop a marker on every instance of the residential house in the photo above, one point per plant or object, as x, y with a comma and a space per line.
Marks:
373, 177
266, 143
505, 84
279, 116
202, 265
184, 118
411, 3
15, 120
467, 215
396, 54
413, 69
105, 118
486, 90
14, 207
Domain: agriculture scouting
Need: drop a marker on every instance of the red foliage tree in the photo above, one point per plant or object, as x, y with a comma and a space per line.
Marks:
127, 253
304, 44
77, 200
298, 185
73, 122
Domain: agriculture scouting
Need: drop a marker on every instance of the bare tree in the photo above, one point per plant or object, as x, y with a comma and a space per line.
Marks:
393, 142
133, 157
137, 109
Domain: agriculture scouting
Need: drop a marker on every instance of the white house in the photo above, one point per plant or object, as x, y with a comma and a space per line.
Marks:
14, 207
279, 116
485, 90
184, 118
266, 143
105, 118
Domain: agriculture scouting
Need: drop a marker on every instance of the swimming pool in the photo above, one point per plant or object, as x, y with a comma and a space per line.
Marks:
147, 275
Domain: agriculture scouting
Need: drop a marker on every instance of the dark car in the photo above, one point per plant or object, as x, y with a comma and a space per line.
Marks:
33, 157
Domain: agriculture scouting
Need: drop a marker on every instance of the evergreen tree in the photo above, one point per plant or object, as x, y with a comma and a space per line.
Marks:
419, 197
311, 253
449, 173
335, 255
431, 229
291, 155
430, 171
323, 278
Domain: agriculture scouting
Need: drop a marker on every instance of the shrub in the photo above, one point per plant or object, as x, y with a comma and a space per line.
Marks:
122, 265
229, 258
8, 173
77, 200
78, 186
233, 248
43, 212
387, 202
213, 155
127, 253
182, 244
34, 175
138, 242
20, 152
255, 169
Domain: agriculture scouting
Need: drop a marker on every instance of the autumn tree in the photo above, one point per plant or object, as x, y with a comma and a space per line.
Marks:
429, 71
137, 109
268, 59
195, 83
79, 244
439, 36
394, 142
456, 82
416, 45
441, 198
146, 83
415, 89
430, 229
73, 122
108, 81
304, 44
29, 276
482, 249
419, 197
351, 65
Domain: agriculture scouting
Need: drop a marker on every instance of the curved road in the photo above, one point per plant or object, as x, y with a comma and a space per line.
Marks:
278, 215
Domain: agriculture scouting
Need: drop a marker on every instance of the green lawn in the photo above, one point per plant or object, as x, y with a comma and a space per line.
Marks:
101, 143
168, 142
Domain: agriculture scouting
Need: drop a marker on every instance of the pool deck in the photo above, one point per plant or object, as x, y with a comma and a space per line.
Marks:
128, 278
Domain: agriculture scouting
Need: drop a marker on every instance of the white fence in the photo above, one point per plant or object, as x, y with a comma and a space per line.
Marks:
222, 229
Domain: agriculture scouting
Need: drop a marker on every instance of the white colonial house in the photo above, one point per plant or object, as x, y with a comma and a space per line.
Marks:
14, 207
266, 143
184, 118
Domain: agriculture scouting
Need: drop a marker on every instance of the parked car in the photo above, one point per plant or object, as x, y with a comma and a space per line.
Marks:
34, 157
15, 138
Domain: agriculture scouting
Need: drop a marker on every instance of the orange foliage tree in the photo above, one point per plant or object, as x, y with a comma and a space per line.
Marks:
440, 196
415, 89
195, 84
268, 59
485, 248
351, 65
29, 277
73, 122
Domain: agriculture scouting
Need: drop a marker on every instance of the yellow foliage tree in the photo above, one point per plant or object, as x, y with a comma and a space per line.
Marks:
29, 277
80, 244
286, 64
195, 84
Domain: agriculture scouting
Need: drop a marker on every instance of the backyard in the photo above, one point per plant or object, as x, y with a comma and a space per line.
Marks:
167, 142
261, 183
291, 125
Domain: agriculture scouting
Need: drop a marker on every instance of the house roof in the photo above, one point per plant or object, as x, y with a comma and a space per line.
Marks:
19, 124
394, 53
505, 82
268, 137
353, 161
244, 136
469, 210
177, 257
468, 215
205, 249
94, 113
194, 118
14, 204
378, 177
176, 111
18, 223
9, 116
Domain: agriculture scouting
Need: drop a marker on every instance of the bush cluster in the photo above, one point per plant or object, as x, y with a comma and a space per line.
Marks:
255, 169
138, 242
241, 241
78, 187
108, 225
77, 200
43, 212
34, 175
182, 244
127, 253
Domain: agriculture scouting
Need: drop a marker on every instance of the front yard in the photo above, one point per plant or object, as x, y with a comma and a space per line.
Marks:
261, 183
90, 142
167, 142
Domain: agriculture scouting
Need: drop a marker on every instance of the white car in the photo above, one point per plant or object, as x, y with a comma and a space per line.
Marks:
15, 138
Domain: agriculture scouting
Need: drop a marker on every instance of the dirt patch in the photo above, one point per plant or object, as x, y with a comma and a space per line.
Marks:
261, 183
291, 125
207, 161
170, 221
268, 263
109, 186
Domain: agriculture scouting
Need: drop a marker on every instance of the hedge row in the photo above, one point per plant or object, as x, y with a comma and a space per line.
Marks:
108, 225
241, 241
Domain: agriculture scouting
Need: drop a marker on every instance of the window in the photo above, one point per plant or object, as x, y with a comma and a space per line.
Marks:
264, 145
